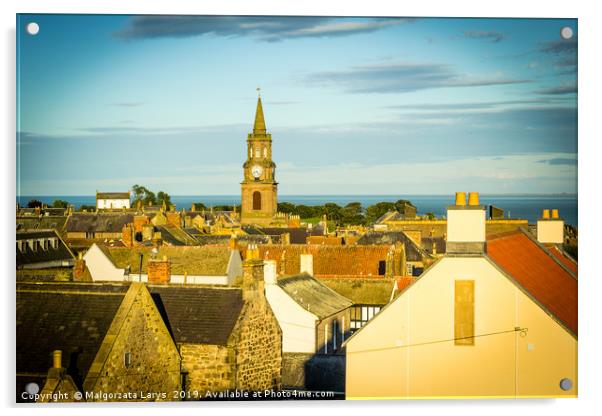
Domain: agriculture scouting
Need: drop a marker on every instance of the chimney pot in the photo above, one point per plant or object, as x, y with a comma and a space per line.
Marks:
460, 198
546, 214
57, 358
473, 198
555, 214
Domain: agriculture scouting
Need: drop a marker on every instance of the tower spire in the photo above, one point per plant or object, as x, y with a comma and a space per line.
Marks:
259, 126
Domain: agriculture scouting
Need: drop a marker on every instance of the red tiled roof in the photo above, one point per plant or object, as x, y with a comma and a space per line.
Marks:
322, 239
357, 261
571, 264
403, 282
536, 270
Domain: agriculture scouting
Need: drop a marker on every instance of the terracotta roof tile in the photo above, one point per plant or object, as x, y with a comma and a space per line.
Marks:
537, 271
366, 261
568, 262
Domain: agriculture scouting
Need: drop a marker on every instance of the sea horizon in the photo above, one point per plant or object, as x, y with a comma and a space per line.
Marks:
515, 206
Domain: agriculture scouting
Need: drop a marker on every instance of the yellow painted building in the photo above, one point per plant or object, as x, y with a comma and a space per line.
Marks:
492, 318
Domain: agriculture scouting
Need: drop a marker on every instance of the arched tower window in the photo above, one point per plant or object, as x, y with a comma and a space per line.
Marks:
256, 200
265, 152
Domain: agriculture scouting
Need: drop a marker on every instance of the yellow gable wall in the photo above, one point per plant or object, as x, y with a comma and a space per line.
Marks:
413, 353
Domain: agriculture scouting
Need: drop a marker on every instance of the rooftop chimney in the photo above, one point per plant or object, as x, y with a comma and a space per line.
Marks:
253, 275
550, 230
57, 359
233, 243
460, 198
473, 199
307, 264
159, 271
269, 272
466, 225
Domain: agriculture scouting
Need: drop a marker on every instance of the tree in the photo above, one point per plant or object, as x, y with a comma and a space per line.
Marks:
34, 203
377, 210
147, 197
199, 206
352, 214
59, 203
87, 208
162, 197
287, 208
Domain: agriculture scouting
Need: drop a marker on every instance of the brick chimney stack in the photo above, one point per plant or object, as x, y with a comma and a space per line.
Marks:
252, 275
550, 228
79, 268
57, 359
127, 235
233, 243
466, 225
159, 271
307, 264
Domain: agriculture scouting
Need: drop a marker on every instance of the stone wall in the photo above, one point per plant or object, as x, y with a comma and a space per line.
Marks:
259, 348
257, 336
210, 368
154, 361
313, 372
159, 271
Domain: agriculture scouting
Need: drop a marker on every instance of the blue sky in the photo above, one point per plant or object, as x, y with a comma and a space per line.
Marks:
354, 105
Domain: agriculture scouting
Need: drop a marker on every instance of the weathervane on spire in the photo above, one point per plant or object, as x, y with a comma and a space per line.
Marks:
258, 91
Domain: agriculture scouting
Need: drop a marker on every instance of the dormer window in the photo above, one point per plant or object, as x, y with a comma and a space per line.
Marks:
33, 245
127, 359
21, 245
55, 243
45, 244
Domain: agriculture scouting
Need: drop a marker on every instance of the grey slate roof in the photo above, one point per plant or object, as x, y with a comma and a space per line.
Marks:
198, 315
297, 235
105, 222
437, 242
176, 236
41, 255
43, 222
224, 239
112, 195
71, 317
413, 251
314, 296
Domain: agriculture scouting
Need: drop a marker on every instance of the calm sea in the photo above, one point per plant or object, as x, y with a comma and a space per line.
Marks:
519, 206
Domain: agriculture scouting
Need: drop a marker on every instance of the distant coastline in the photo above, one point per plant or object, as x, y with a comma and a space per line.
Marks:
526, 206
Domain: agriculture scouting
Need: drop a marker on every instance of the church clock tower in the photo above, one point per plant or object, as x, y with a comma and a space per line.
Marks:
259, 186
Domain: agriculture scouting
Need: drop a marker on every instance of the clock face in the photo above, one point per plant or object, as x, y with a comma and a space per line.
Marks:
256, 171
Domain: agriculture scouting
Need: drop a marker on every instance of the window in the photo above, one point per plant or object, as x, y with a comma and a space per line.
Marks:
127, 359
265, 152
382, 267
45, 245
21, 246
90, 234
33, 245
257, 152
256, 200
334, 335
464, 312
409, 269
360, 315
